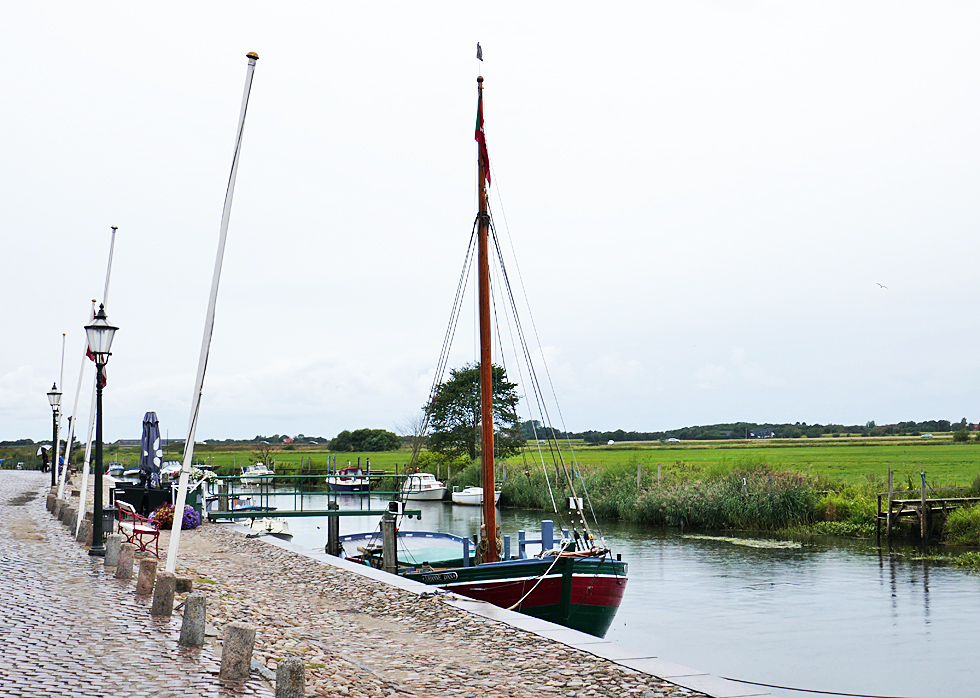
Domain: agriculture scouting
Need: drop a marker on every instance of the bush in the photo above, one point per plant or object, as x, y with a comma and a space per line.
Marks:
963, 526
164, 516
969, 560
847, 506
961, 437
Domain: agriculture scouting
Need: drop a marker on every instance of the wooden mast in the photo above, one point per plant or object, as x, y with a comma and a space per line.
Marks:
486, 357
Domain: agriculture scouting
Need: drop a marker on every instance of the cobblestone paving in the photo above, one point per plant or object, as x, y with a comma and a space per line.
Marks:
68, 628
74, 630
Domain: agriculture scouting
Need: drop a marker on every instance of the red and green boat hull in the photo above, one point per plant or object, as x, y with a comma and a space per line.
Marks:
582, 593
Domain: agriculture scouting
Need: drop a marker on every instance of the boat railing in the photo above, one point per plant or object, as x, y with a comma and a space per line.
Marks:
546, 541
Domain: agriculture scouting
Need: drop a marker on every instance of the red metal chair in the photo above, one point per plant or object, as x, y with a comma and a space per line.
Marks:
139, 530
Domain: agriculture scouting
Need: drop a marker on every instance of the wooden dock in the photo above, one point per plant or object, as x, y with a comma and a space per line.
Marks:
892, 510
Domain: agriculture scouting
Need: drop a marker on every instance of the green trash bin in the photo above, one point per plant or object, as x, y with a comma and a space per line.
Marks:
194, 500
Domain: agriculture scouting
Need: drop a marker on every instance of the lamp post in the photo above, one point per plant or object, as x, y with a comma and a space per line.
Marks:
54, 398
99, 335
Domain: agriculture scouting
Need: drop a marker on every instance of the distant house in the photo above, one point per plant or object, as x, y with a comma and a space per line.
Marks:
762, 434
287, 440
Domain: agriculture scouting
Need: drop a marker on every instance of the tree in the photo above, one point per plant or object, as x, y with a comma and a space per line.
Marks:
369, 440
454, 414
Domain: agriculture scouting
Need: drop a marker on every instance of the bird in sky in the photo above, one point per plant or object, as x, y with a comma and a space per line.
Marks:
881, 286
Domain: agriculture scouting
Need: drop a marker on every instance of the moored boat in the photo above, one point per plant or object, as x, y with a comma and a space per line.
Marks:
352, 479
423, 487
257, 474
472, 496
576, 581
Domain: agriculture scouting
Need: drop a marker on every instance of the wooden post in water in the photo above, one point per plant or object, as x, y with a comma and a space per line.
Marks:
333, 531
891, 494
923, 526
389, 543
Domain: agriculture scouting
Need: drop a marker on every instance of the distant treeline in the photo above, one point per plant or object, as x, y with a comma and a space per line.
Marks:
533, 430
754, 430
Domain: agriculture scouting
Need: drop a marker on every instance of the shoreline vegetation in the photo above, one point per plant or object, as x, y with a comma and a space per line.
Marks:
793, 488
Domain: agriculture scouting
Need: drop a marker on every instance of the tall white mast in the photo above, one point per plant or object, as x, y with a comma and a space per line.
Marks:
208, 326
91, 409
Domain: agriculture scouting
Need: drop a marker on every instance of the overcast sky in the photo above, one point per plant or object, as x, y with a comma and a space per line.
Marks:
703, 198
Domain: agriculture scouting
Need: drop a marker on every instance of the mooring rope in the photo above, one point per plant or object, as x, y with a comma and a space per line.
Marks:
812, 690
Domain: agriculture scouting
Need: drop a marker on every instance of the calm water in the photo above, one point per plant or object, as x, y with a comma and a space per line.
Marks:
830, 617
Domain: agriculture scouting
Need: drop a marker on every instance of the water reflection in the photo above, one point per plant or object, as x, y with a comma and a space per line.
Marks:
832, 615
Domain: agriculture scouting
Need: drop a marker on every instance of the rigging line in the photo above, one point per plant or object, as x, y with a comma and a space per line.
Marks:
447, 340
535, 383
520, 372
527, 302
540, 579
531, 370
534, 327
810, 690
502, 288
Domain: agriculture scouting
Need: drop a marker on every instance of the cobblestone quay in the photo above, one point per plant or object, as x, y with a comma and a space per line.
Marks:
71, 629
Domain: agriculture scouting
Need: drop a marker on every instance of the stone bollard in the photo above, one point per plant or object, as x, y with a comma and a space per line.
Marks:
113, 543
59, 504
147, 575
85, 533
291, 678
195, 614
163, 594
124, 566
63, 511
51, 500
185, 585
236, 652
71, 517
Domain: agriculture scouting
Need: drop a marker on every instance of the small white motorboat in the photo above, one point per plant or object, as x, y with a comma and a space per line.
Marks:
116, 469
271, 527
349, 480
256, 474
423, 486
472, 495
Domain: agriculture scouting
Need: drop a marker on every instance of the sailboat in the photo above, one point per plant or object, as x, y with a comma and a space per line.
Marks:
575, 582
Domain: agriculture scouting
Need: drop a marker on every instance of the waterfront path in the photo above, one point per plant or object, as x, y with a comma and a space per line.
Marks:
70, 629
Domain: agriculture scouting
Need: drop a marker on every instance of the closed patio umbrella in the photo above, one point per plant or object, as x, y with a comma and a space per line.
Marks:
151, 454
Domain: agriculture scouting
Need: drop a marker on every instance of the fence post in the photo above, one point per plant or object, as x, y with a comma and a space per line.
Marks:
522, 545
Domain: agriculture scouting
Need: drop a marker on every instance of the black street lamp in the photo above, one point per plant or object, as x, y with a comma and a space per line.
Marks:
99, 334
54, 398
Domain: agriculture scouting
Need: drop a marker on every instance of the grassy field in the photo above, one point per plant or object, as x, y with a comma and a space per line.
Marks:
849, 460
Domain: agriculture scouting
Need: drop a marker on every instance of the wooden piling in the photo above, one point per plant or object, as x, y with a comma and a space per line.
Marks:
923, 525
333, 531
389, 544
891, 496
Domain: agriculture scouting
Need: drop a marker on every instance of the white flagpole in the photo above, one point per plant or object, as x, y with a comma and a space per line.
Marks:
208, 327
72, 421
91, 412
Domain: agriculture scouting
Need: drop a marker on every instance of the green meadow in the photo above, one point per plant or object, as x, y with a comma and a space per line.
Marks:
846, 460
